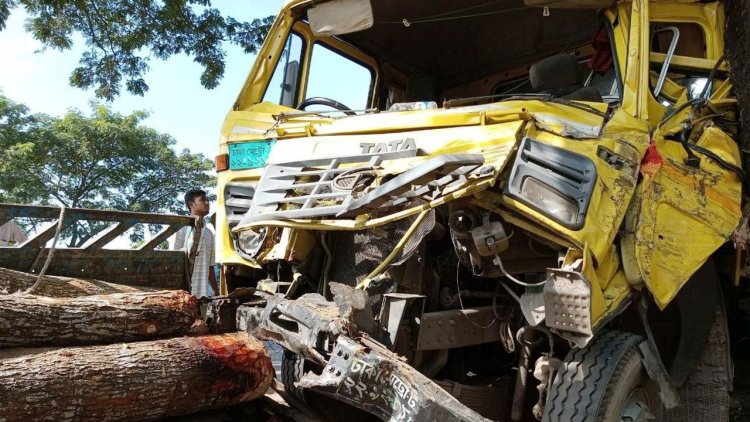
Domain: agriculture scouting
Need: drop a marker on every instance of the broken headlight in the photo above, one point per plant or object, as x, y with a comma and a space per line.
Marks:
250, 241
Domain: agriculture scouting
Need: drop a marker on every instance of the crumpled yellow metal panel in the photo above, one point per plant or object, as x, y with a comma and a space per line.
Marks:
609, 199
686, 213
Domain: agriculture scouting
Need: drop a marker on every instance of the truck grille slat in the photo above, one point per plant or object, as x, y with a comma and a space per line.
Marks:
238, 198
305, 198
239, 203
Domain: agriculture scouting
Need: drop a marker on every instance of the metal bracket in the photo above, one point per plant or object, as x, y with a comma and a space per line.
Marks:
532, 305
653, 363
396, 307
656, 371
458, 328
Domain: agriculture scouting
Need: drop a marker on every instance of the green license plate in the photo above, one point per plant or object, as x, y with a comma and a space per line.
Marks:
249, 155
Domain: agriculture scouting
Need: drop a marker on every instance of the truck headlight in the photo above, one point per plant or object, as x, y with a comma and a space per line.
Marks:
554, 181
250, 241
544, 197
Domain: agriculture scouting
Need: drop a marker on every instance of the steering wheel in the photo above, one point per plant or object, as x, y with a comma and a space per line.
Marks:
326, 102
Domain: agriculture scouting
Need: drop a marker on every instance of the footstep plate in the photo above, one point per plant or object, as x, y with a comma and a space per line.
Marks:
567, 304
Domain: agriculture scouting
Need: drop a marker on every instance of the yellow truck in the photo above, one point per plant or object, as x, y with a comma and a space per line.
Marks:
489, 210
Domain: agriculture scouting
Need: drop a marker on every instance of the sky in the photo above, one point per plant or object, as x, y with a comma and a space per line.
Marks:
178, 104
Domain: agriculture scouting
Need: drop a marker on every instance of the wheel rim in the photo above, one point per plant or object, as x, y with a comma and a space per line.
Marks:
637, 408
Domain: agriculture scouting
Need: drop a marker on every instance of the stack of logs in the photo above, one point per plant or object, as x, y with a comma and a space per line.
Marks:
90, 350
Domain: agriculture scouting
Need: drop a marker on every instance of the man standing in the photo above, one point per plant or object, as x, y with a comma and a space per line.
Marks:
203, 275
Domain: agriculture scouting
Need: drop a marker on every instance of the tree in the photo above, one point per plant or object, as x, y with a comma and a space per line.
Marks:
738, 56
105, 160
123, 35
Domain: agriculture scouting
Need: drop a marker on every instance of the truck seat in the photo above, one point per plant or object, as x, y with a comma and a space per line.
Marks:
559, 76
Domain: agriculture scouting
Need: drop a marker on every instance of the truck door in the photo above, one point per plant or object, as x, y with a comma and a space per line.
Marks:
691, 189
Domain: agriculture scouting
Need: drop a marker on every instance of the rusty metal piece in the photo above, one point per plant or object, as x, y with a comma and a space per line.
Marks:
372, 378
354, 307
307, 326
457, 328
221, 314
490, 238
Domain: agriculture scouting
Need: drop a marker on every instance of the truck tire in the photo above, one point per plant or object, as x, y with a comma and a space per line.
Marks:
292, 369
603, 382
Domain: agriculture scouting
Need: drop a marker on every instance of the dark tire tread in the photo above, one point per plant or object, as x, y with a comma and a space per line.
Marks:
579, 389
292, 369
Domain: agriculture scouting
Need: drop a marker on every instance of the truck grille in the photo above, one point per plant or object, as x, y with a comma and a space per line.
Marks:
321, 188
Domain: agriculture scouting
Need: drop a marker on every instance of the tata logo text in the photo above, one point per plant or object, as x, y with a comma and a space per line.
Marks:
392, 146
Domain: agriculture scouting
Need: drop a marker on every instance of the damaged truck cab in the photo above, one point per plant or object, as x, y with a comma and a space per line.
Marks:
509, 210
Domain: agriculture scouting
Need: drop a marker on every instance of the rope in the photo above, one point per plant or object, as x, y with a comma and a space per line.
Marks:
453, 12
51, 252
409, 22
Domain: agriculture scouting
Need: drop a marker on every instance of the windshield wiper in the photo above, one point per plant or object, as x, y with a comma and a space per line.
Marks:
574, 104
283, 116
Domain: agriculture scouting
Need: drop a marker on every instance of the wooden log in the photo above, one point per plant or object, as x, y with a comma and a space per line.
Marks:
134, 381
28, 320
15, 281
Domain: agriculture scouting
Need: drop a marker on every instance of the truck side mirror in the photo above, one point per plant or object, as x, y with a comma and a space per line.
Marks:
289, 86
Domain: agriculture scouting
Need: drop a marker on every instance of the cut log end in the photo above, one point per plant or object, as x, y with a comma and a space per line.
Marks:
135, 381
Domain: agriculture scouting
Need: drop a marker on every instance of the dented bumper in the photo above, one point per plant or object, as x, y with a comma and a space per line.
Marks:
359, 371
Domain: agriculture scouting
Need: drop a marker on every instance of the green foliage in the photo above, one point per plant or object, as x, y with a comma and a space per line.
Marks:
123, 35
105, 160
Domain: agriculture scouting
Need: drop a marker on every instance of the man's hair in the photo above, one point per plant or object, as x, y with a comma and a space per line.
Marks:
191, 195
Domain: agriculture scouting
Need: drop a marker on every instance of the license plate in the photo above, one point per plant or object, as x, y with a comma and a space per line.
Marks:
249, 155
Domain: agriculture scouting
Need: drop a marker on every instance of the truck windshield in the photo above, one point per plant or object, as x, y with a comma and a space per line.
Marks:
420, 51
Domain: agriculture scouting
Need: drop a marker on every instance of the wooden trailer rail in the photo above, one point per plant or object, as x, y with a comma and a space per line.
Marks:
145, 265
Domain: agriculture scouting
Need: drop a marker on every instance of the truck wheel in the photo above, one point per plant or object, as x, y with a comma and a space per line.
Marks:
603, 382
292, 369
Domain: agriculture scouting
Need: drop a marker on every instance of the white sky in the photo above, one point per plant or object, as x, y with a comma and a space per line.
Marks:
178, 104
